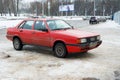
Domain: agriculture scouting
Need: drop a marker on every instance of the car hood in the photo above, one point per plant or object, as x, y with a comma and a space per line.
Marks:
75, 33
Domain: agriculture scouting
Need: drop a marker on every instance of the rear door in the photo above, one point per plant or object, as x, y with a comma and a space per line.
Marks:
41, 35
25, 31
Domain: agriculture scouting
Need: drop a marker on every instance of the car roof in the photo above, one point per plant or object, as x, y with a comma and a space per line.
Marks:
93, 17
40, 19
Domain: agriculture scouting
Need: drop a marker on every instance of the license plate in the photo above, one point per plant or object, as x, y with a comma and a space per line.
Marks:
93, 44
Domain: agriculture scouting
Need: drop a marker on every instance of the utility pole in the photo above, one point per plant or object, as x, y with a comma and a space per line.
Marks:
67, 8
62, 7
48, 8
36, 9
103, 10
17, 7
94, 7
112, 11
86, 8
42, 7
73, 12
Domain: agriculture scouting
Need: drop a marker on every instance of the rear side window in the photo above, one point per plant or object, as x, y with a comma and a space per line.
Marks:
39, 25
27, 25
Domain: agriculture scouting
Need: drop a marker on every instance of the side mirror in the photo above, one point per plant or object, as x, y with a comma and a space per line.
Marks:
72, 27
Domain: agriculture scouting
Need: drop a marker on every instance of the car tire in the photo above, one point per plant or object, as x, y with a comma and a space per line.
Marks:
60, 50
17, 44
85, 52
90, 22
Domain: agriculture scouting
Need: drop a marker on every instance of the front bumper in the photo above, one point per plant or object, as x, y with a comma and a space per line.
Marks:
74, 48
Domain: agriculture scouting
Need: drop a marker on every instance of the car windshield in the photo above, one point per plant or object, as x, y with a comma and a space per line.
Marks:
58, 25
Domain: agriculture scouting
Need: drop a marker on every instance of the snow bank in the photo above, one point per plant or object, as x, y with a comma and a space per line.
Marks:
69, 17
8, 23
11, 23
108, 24
7, 17
111, 24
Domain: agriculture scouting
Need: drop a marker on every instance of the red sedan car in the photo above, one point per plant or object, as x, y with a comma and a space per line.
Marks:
55, 34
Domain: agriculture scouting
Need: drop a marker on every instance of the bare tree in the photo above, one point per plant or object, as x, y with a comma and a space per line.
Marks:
82, 7
36, 8
1, 7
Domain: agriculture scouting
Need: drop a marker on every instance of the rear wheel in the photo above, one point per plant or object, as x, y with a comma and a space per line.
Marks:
60, 50
17, 44
90, 22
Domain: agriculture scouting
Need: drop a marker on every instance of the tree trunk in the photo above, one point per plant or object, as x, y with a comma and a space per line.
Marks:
1, 7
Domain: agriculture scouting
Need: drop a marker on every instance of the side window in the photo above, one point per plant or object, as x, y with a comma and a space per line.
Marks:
39, 25
21, 25
27, 25
51, 24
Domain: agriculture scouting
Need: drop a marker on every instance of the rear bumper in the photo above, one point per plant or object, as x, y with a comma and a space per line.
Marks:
75, 48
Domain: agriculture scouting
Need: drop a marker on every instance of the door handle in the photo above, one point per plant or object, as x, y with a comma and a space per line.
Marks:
21, 30
33, 32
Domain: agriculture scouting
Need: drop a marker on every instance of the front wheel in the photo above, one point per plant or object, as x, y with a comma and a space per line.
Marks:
17, 44
60, 50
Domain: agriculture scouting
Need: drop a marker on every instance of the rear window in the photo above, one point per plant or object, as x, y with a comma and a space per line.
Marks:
92, 17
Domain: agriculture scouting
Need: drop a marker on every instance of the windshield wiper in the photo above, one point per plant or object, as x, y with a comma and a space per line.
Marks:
66, 28
58, 29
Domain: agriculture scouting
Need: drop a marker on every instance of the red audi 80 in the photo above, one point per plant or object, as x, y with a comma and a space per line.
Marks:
55, 34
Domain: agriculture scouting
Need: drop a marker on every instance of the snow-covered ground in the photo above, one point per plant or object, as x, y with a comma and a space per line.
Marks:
33, 63
10, 21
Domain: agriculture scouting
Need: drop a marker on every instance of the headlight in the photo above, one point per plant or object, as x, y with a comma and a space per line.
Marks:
98, 37
83, 40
